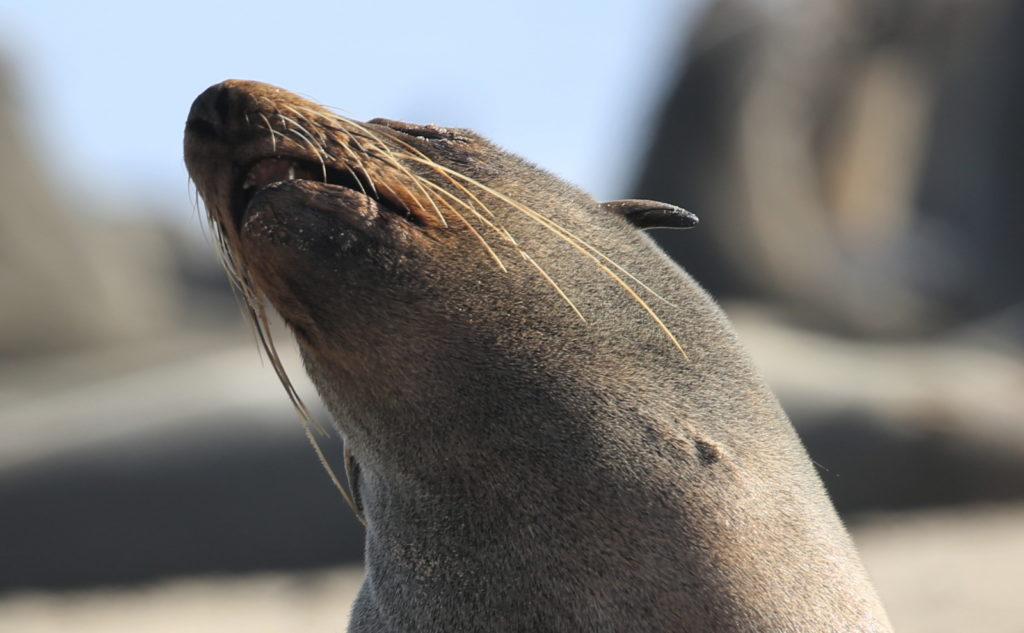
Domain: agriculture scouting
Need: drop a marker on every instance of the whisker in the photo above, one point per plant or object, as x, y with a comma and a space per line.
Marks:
470, 227
425, 160
321, 137
273, 132
321, 156
300, 131
553, 284
359, 181
362, 168
309, 421
389, 156
578, 243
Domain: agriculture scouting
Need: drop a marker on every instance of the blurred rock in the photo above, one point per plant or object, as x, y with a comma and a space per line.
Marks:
140, 436
896, 425
190, 462
69, 280
854, 162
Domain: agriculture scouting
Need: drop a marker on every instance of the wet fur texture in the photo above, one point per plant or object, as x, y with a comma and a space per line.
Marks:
521, 468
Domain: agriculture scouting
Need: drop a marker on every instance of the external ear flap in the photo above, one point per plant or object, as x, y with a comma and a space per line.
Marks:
646, 214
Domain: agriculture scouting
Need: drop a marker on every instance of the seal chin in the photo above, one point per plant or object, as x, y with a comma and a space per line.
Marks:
298, 236
303, 213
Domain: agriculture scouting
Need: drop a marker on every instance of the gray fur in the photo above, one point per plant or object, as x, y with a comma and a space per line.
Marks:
520, 469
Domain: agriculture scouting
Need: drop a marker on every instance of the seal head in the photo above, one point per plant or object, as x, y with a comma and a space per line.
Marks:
551, 426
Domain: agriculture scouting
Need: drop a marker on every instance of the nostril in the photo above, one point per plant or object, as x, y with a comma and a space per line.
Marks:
210, 111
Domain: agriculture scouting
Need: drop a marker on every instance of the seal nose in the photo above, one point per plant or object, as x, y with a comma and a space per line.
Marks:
210, 112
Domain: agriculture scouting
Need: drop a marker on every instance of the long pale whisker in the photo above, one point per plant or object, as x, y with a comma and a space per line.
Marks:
552, 282
579, 244
388, 155
321, 137
309, 422
423, 159
273, 132
470, 227
299, 130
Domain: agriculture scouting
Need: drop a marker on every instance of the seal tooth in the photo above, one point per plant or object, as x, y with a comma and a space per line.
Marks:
250, 181
291, 171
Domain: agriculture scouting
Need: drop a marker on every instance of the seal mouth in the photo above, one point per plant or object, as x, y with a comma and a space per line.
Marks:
265, 172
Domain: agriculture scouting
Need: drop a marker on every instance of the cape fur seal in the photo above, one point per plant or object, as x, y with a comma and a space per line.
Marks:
550, 426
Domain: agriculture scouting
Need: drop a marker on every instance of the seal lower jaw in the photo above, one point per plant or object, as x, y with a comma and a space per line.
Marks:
311, 222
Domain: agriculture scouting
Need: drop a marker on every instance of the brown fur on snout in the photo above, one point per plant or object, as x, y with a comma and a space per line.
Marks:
550, 426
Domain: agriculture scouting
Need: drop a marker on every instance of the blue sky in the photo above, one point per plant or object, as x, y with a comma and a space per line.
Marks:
570, 85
